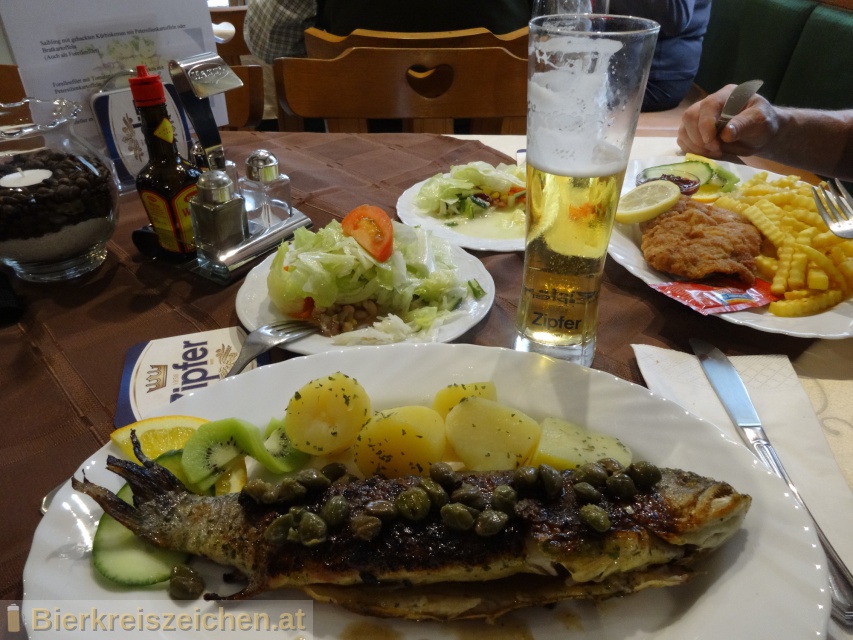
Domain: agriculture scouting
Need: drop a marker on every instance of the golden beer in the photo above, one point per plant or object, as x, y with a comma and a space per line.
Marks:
569, 221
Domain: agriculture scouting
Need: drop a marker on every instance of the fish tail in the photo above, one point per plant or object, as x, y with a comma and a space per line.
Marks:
147, 481
123, 512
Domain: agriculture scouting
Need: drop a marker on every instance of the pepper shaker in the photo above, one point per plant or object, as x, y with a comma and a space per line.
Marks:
266, 190
219, 217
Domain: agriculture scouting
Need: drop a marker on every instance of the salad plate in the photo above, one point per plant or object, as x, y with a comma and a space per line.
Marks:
773, 566
502, 232
835, 323
255, 309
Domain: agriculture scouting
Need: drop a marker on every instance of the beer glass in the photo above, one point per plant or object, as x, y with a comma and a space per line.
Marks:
586, 78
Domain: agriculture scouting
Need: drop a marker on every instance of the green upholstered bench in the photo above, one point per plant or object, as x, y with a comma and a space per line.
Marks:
802, 49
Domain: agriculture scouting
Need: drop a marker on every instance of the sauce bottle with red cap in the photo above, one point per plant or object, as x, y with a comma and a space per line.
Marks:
168, 181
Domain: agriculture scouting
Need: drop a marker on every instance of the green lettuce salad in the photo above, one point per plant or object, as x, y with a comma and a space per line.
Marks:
471, 189
417, 287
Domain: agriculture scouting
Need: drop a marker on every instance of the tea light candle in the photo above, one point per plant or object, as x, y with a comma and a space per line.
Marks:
25, 178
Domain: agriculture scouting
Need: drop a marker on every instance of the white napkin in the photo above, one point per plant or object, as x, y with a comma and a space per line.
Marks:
788, 418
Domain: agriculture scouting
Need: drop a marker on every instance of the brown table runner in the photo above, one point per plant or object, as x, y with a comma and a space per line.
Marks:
61, 364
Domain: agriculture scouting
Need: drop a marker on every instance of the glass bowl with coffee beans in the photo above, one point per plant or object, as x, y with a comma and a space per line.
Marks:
58, 194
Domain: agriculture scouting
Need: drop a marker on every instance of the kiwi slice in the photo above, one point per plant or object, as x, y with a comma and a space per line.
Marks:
173, 461
214, 445
284, 455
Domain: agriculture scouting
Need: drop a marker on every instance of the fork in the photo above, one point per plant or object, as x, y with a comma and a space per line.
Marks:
268, 336
835, 206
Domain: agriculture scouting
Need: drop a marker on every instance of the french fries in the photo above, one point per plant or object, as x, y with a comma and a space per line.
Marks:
809, 267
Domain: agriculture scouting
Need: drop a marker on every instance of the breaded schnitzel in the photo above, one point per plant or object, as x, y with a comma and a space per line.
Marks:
694, 240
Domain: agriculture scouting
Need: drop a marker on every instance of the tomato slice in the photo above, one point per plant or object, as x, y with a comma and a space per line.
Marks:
372, 229
307, 310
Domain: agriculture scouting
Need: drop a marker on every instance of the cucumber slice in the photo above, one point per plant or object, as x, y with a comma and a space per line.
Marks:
121, 557
701, 170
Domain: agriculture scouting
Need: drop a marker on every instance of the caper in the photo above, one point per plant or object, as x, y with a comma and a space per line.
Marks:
334, 470
312, 480
365, 527
278, 530
621, 486
413, 504
490, 522
586, 493
595, 517
525, 477
593, 473
345, 479
611, 465
644, 474
443, 474
185, 583
256, 489
297, 512
552, 481
382, 509
469, 495
290, 490
312, 529
457, 516
504, 498
336, 511
437, 494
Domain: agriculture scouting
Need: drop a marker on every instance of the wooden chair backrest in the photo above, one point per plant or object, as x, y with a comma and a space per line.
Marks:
322, 44
231, 51
427, 88
11, 90
245, 105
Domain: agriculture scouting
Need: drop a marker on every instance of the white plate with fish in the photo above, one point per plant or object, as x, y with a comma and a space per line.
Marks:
494, 231
255, 309
768, 581
835, 323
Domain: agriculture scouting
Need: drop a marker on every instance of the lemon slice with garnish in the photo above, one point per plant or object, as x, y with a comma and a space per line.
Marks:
647, 201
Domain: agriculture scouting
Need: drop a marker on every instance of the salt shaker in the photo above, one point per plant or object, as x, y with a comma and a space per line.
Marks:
219, 217
266, 190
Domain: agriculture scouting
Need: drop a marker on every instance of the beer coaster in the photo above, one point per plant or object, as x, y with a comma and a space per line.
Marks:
160, 371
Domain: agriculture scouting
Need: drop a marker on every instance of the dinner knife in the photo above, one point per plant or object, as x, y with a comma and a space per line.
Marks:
734, 397
737, 101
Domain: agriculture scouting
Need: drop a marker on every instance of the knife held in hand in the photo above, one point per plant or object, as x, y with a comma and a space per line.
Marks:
737, 101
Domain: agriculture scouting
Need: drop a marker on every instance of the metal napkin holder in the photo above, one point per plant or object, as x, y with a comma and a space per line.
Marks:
197, 79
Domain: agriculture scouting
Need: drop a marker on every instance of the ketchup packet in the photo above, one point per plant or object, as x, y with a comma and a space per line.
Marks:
718, 295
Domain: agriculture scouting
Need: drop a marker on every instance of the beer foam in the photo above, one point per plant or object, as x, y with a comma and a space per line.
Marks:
568, 105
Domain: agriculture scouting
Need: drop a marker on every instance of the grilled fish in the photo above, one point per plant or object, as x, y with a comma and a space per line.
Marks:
527, 537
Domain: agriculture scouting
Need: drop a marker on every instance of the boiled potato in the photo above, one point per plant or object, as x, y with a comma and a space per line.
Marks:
450, 396
326, 415
489, 436
565, 445
401, 441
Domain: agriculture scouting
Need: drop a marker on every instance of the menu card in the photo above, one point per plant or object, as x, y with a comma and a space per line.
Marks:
73, 48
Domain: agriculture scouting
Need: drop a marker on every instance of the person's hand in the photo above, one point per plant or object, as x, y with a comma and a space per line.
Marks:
744, 135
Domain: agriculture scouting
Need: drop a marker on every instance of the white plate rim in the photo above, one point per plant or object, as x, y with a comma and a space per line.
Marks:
775, 563
415, 216
833, 324
255, 309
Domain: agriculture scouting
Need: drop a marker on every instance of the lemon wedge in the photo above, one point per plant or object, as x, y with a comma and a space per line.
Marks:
647, 201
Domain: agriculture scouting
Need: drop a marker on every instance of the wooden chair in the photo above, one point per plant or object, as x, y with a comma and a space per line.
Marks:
322, 44
11, 90
232, 50
245, 106
425, 87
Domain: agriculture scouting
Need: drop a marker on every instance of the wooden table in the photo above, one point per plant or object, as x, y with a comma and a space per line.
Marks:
61, 364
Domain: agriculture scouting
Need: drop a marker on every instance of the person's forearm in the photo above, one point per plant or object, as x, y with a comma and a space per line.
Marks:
818, 141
